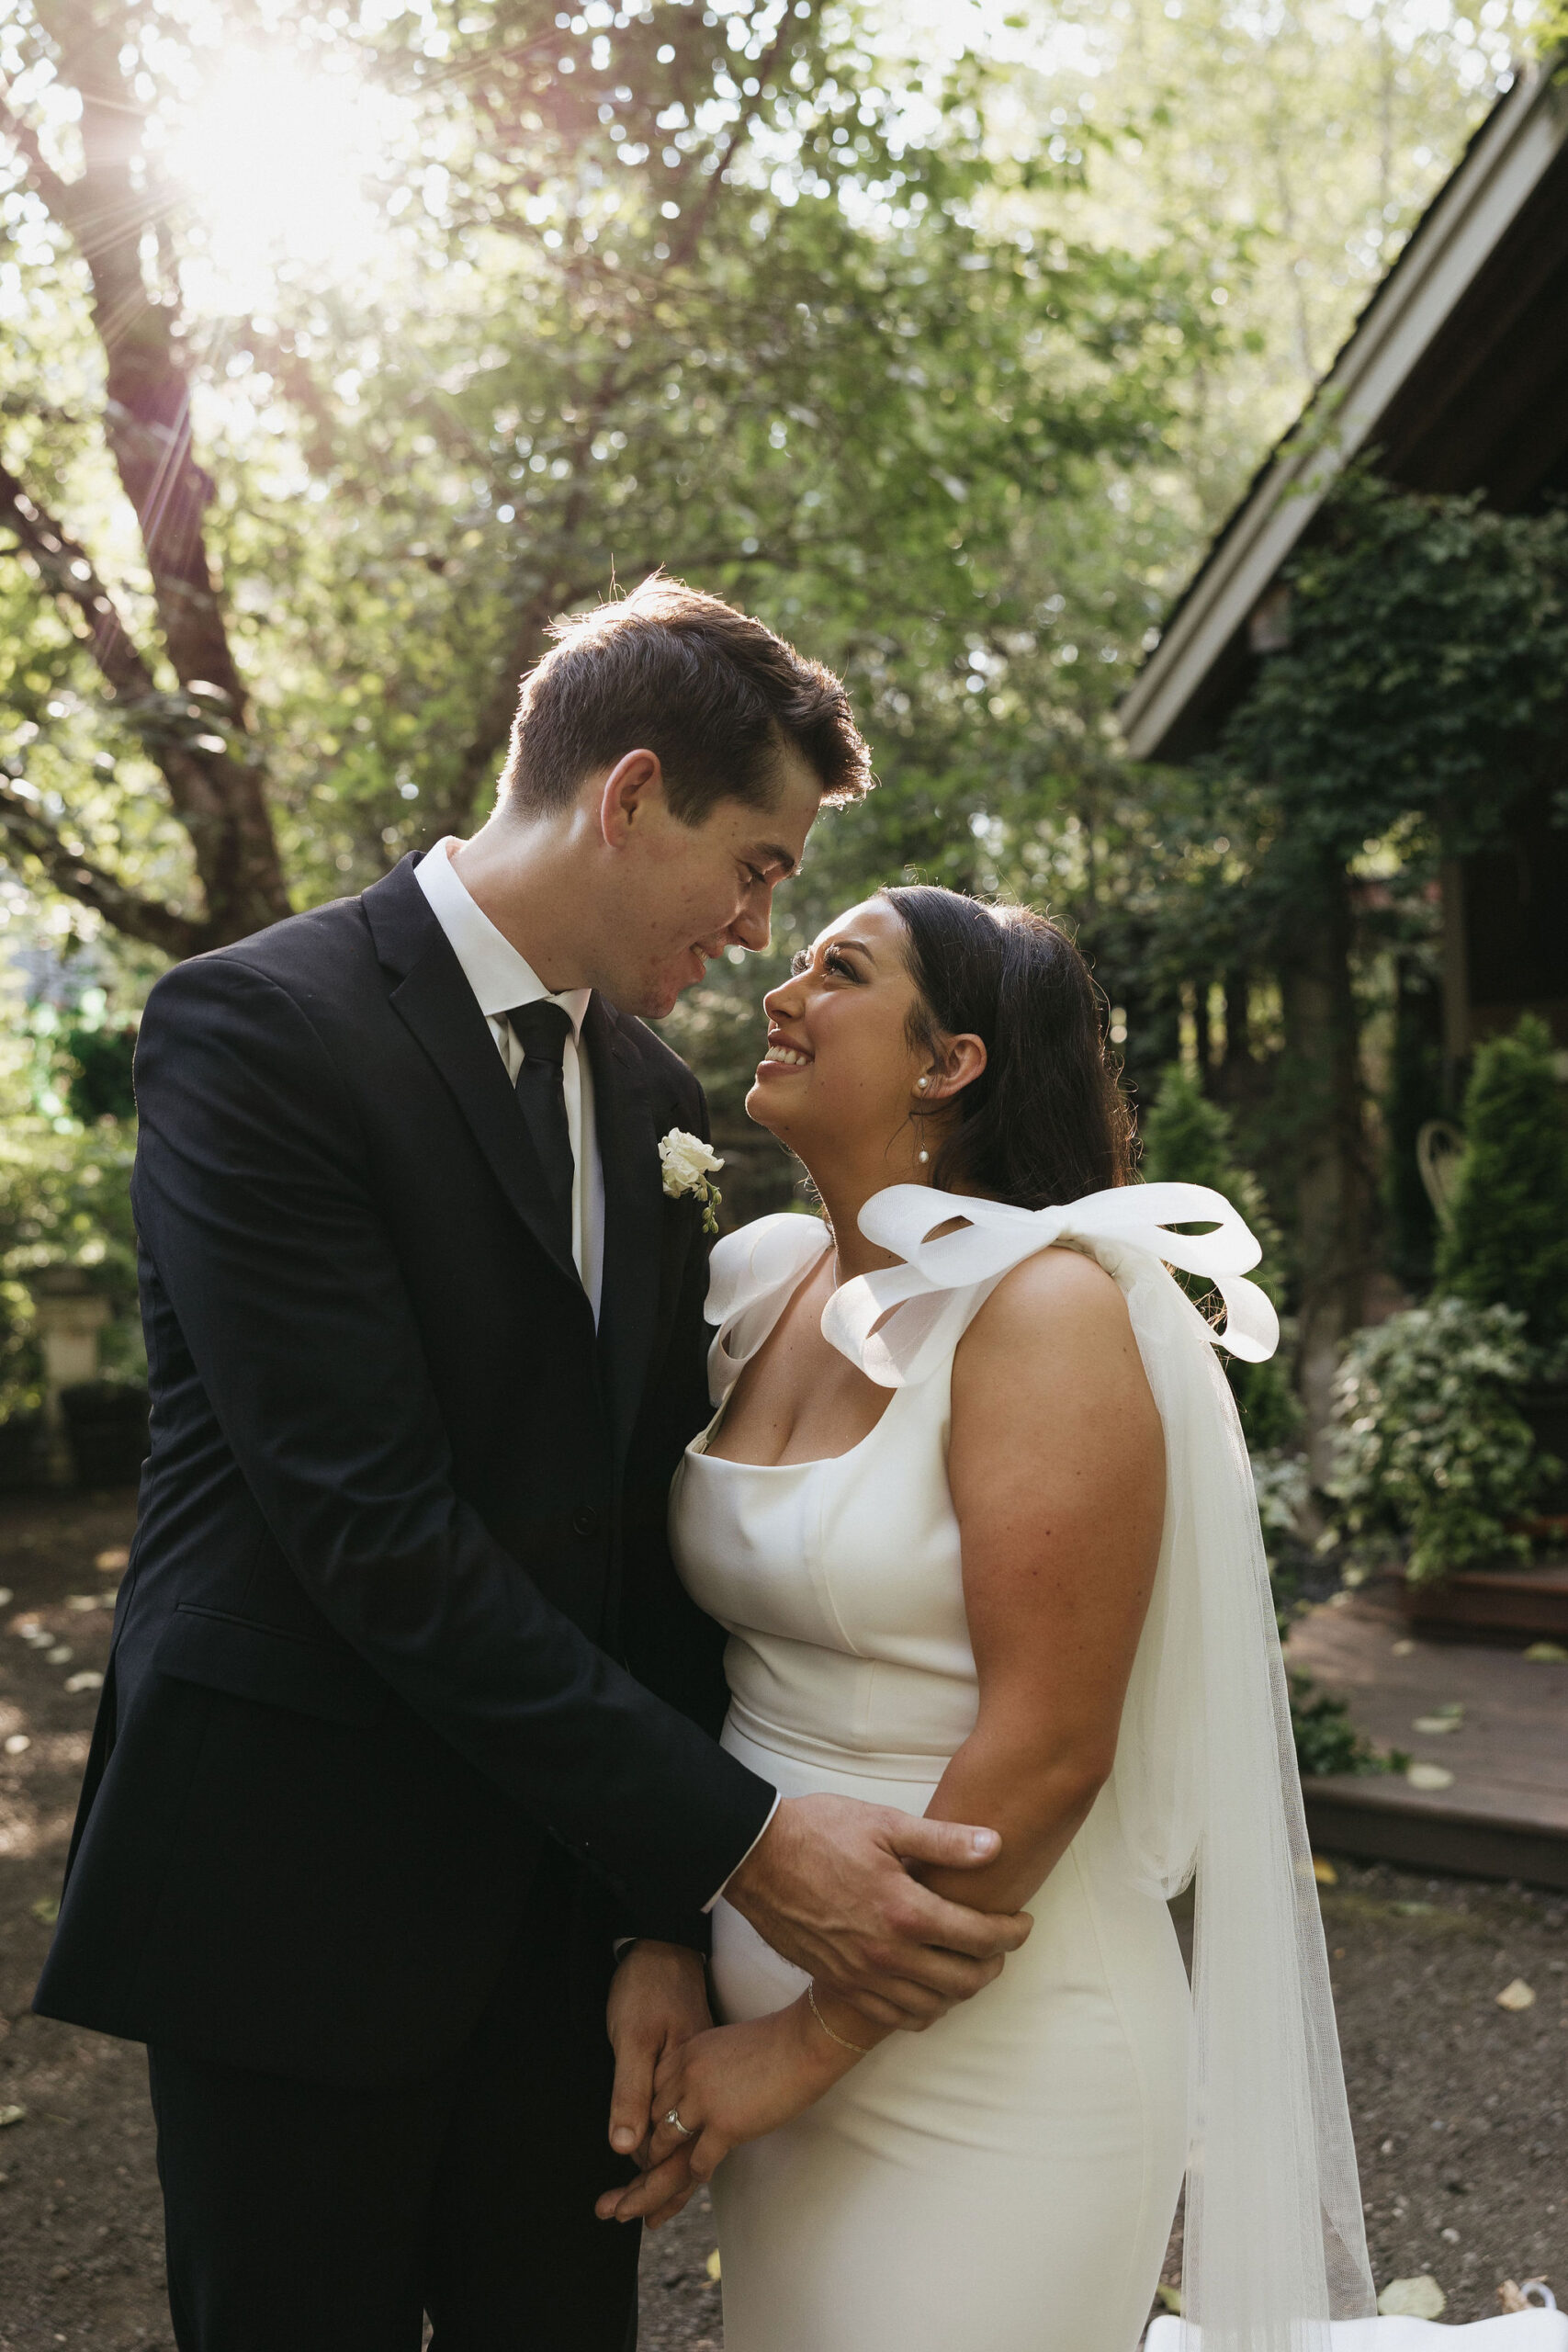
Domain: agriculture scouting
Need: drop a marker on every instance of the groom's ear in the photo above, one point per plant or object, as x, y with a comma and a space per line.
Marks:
628, 796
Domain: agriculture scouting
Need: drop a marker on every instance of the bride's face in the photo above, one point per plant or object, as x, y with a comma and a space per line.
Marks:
840, 1068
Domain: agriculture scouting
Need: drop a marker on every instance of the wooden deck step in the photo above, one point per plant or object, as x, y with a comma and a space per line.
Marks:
1506, 1813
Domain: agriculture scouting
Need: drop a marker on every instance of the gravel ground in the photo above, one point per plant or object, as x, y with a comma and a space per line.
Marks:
1460, 2107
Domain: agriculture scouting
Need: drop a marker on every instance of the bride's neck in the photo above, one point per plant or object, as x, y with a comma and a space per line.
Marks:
843, 1192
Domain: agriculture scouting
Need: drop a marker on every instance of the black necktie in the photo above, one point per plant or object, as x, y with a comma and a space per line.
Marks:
542, 1029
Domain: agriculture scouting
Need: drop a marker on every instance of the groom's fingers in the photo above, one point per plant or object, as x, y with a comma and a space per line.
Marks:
924, 1917
632, 2098
899, 2002
954, 1845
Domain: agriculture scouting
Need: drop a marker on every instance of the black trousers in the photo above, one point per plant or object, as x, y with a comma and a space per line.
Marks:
302, 2218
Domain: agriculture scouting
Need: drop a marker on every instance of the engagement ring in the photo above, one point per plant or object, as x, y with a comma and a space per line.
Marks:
684, 2128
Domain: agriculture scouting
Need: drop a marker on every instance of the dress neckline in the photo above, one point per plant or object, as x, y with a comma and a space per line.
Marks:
697, 1449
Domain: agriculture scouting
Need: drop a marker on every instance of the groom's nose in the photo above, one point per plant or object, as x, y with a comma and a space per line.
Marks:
752, 926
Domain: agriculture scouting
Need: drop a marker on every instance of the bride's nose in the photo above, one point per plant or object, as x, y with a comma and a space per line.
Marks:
783, 1003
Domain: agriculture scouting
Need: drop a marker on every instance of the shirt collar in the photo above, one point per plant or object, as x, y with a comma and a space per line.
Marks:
500, 977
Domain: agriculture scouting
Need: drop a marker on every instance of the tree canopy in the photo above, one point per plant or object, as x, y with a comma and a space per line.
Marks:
343, 347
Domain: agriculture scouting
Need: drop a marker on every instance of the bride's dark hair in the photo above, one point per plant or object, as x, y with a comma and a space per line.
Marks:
1046, 1122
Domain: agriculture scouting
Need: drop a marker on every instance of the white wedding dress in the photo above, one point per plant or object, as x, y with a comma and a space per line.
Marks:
1006, 2181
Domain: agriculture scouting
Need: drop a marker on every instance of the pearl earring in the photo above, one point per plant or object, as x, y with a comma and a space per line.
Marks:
922, 1157
922, 1083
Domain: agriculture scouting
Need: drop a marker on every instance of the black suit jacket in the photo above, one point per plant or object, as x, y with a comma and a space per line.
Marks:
400, 1605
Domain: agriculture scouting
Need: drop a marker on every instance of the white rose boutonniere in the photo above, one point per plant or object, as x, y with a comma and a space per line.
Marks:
688, 1165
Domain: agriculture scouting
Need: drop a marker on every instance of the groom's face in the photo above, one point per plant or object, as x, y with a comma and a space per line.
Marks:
688, 893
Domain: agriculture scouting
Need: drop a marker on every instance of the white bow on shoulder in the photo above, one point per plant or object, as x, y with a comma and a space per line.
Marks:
943, 1259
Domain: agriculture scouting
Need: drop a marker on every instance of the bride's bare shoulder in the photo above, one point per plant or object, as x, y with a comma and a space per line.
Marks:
1052, 1342
1059, 1294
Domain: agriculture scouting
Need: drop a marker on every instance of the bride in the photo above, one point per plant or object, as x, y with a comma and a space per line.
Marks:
976, 1514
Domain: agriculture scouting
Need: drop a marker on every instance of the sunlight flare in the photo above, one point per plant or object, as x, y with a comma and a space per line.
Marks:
276, 158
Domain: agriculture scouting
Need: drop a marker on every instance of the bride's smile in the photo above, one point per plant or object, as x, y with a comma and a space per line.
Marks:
854, 1078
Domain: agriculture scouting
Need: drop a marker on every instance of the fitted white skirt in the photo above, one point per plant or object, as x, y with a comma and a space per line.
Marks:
1004, 2182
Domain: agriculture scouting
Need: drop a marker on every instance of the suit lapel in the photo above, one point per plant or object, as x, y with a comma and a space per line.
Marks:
435, 999
629, 1151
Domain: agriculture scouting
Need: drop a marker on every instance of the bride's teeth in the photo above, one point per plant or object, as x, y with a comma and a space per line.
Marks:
783, 1053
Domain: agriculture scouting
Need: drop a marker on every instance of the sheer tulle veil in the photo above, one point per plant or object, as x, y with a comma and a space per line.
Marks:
1205, 1776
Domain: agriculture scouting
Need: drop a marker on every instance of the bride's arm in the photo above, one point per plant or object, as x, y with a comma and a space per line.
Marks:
1056, 1467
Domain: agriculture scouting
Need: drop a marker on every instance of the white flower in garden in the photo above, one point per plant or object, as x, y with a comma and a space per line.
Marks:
689, 1164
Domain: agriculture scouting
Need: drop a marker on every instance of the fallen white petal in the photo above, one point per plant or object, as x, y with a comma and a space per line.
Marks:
1419, 2298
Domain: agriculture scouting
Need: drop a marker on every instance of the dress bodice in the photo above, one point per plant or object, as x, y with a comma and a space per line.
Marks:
840, 1580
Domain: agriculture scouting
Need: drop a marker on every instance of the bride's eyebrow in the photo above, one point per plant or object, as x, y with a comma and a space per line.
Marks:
801, 960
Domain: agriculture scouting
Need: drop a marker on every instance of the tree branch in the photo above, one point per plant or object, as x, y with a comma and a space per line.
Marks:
177, 736
68, 574
683, 245
25, 827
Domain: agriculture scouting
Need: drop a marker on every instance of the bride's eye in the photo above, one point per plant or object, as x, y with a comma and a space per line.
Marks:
834, 962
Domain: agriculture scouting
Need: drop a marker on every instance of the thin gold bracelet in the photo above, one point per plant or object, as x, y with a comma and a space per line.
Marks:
861, 2049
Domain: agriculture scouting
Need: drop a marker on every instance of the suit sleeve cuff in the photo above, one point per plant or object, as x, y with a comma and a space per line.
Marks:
750, 1851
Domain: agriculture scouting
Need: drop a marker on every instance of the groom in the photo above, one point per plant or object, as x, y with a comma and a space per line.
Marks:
409, 1724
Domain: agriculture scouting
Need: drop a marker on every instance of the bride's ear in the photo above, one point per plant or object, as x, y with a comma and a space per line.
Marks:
956, 1063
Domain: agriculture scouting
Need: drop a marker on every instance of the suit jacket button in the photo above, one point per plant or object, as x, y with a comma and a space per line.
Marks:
586, 1522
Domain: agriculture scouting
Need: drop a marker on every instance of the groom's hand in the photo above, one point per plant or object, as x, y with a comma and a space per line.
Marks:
658, 2001
829, 1885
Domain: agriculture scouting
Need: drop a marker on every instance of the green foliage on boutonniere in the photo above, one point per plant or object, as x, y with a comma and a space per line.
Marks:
689, 1165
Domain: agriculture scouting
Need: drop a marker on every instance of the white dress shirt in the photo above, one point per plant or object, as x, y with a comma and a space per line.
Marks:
502, 980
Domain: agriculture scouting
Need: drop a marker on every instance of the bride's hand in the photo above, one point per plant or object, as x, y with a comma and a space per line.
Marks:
732, 2084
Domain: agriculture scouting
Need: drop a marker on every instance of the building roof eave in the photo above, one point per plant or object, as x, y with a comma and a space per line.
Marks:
1510, 152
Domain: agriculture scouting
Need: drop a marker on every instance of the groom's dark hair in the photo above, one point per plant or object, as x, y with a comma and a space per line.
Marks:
717, 695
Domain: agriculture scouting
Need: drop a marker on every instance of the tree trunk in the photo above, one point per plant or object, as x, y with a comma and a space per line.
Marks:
1234, 1077
210, 760
1203, 1034
1332, 1186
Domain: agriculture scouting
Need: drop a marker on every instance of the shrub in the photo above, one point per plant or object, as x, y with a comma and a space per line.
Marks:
97, 1073
1508, 1243
1327, 1741
1432, 1452
1282, 1483
1187, 1140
